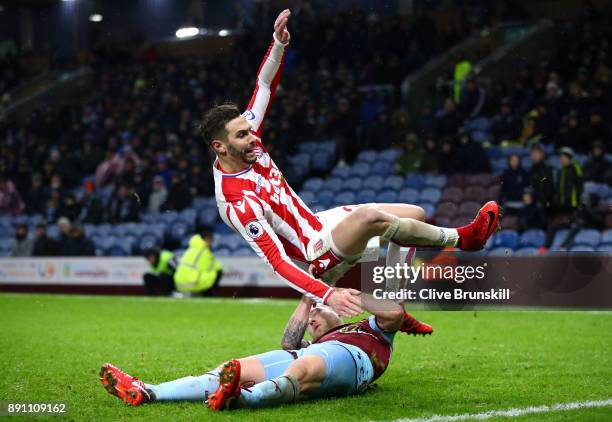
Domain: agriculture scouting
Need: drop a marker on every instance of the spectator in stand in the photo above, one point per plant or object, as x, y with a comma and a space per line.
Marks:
448, 119
463, 67
595, 129
10, 199
598, 168
92, 211
179, 197
160, 280
78, 244
158, 195
64, 226
514, 181
531, 215
591, 215
43, 244
447, 159
568, 189
122, 205
540, 177
430, 157
471, 155
473, 99
24, 244
69, 207
506, 126
37, 196
568, 134
410, 160
342, 129
198, 270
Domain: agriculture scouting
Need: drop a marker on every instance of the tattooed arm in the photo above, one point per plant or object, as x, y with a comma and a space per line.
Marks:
293, 337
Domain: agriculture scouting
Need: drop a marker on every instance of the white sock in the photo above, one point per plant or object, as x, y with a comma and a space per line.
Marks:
411, 232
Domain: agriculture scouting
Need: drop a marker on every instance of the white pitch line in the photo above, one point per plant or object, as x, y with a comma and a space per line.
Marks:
511, 413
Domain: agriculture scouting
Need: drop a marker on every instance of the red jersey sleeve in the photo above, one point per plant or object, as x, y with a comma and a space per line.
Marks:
247, 218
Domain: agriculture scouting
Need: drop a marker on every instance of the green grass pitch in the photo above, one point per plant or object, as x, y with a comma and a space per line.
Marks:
51, 349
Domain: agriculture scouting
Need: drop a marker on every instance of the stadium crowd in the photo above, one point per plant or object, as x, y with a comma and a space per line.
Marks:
131, 145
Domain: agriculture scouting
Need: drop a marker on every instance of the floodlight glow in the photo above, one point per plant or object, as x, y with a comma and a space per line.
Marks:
223, 33
96, 17
190, 31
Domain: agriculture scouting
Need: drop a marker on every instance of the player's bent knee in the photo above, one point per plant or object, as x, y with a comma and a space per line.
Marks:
370, 214
308, 370
419, 213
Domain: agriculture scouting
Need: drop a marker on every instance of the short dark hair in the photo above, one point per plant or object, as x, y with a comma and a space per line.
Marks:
214, 121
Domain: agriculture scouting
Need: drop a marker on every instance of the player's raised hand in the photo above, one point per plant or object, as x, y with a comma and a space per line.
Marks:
280, 26
346, 302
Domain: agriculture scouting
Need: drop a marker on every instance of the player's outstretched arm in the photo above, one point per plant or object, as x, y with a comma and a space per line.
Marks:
293, 337
269, 74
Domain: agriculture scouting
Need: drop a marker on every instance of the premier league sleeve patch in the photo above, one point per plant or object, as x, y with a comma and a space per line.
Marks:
254, 229
249, 115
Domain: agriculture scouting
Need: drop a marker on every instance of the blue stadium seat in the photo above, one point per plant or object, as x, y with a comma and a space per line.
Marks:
393, 182
307, 147
208, 217
149, 218
430, 195
6, 243
526, 251
104, 242
432, 181
345, 198
387, 196
325, 198
365, 196
244, 251
352, 183
479, 136
360, 169
321, 161
327, 146
507, 238
415, 181
382, 168
553, 161
118, 249
408, 196
588, 237
389, 155
179, 252
341, 171
314, 184
512, 149
200, 202
582, 248
234, 242
6, 232
605, 247
301, 160
533, 238
179, 229
501, 251
189, 215
222, 252
333, 184
429, 209
606, 237
367, 156
307, 196
493, 152
560, 236
374, 182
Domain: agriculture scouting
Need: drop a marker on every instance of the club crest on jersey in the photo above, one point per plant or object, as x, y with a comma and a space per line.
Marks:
248, 114
254, 229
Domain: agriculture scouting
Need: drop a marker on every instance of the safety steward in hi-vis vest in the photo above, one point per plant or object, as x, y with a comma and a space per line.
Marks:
198, 270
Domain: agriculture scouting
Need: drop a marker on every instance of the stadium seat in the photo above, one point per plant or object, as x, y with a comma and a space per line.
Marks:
589, 237
393, 182
119, 249
415, 181
387, 196
605, 247
430, 195
365, 196
367, 156
582, 248
512, 149
493, 192
446, 209
432, 181
442, 221
408, 196
469, 208
341, 171
553, 161
179, 229
345, 198
244, 251
208, 217
533, 238
457, 180
429, 209
6, 243
307, 196
199, 202
606, 236
526, 251
333, 184
560, 236
507, 238
104, 242
325, 198
373, 182
313, 184
222, 252
501, 252
452, 194
475, 193
511, 222
493, 152
352, 183
148, 241
382, 168
321, 161
360, 170
389, 155
307, 147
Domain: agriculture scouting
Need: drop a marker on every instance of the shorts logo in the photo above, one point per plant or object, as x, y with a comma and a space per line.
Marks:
254, 229
249, 115
324, 263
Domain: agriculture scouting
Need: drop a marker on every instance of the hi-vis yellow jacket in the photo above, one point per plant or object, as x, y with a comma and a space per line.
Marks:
198, 267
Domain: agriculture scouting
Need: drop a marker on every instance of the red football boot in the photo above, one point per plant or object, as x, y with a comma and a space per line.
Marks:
413, 326
229, 386
129, 389
474, 236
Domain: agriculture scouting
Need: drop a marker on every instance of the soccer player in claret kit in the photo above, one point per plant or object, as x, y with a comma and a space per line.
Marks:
343, 359
256, 201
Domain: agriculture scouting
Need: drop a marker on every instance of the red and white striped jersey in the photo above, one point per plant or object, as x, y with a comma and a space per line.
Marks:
259, 204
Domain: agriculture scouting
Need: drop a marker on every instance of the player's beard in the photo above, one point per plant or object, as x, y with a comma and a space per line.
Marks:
241, 155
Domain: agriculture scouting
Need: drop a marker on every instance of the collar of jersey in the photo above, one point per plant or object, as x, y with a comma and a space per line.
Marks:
225, 174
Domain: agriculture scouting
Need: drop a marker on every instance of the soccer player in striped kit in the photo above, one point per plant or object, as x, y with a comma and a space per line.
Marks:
256, 201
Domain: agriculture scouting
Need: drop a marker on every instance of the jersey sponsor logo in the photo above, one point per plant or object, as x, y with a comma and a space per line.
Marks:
324, 263
258, 187
254, 229
318, 245
241, 206
249, 115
